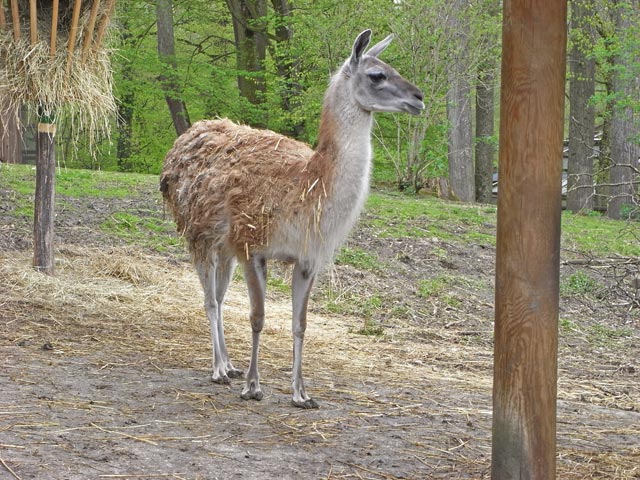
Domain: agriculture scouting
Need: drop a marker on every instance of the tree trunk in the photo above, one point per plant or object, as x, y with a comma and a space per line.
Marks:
124, 121
287, 64
461, 169
580, 183
624, 121
126, 103
485, 149
251, 45
167, 54
43, 258
603, 164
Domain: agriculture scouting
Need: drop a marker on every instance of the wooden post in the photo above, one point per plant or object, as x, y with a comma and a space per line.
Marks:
54, 27
73, 32
43, 259
33, 21
528, 239
88, 33
15, 19
3, 18
104, 23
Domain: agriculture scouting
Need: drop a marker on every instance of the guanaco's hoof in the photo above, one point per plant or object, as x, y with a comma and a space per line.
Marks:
235, 373
252, 395
252, 391
221, 380
306, 404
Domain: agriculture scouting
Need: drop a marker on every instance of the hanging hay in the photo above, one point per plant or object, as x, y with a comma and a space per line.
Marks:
62, 76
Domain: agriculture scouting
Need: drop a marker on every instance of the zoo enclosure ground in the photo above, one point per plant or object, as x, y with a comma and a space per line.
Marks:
106, 366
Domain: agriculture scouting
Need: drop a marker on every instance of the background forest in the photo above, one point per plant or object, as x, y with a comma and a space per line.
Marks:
267, 64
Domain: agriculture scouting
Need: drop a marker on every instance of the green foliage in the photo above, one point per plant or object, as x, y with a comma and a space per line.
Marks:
278, 283
617, 52
599, 235
18, 178
567, 326
349, 303
78, 183
408, 149
631, 212
92, 183
419, 217
597, 334
602, 335
358, 258
433, 287
579, 283
370, 328
141, 230
441, 287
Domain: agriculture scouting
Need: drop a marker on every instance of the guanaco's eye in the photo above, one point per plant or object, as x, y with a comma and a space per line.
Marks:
377, 76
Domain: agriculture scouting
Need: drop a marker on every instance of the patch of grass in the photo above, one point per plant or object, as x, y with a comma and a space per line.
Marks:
600, 235
400, 311
360, 259
579, 283
451, 301
148, 231
604, 335
369, 328
24, 208
398, 216
78, 183
440, 253
442, 288
19, 178
433, 287
567, 326
395, 215
278, 284
347, 303
92, 183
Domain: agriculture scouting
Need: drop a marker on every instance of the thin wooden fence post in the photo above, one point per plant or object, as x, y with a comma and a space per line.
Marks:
33, 21
15, 20
528, 240
54, 27
43, 258
3, 18
104, 23
88, 33
73, 32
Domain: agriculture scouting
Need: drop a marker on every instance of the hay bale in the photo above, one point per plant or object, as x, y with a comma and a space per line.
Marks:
72, 83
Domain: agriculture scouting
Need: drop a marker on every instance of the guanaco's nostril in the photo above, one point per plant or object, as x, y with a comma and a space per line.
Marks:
419, 95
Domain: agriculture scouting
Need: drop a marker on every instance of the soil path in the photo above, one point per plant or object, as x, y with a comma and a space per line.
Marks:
104, 369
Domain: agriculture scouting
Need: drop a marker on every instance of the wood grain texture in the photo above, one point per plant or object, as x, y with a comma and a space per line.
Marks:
528, 239
54, 27
43, 258
33, 21
15, 20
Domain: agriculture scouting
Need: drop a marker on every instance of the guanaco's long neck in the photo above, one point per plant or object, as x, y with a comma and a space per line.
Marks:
345, 136
344, 143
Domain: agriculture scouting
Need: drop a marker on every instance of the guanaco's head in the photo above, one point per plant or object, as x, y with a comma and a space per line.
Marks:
376, 86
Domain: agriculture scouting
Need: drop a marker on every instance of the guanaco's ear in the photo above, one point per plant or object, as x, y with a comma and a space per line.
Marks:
379, 47
359, 47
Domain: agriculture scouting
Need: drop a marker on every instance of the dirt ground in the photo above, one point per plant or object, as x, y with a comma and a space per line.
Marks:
105, 368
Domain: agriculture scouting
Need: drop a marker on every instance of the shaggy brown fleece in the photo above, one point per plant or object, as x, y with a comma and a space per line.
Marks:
228, 185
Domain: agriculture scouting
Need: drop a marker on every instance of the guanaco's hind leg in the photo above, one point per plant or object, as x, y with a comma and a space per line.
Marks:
255, 272
303, 277
215, 272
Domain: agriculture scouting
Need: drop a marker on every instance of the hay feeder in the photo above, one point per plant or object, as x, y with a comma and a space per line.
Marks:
53, 63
